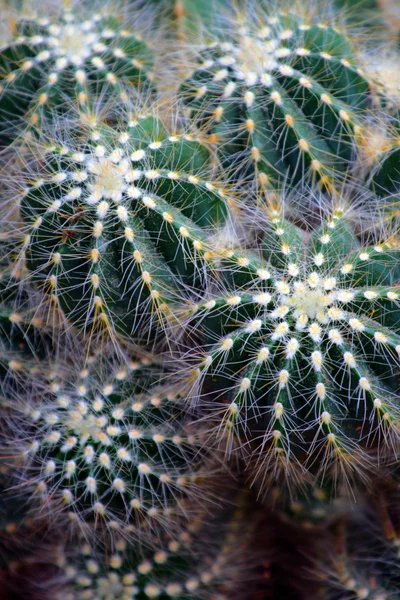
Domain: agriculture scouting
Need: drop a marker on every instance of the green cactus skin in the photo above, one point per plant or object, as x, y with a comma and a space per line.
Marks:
281, 96
206, 560
386, 178
109, 444
51, 65
301, 352
117, 225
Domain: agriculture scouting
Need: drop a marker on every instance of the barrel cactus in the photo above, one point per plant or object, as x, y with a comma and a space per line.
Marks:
106, 442
116, 225
300, 351
204, 560
74, 58
280, 96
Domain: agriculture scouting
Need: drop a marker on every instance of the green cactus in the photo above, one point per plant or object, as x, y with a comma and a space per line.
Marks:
117, 224
205, 560
50, 65
300, 352
109, 443
282, 97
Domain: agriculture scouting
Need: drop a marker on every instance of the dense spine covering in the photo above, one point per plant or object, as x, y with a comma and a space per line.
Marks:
109, 443
281, 96
176, 567
199, 292
301, 350
116, 225
74, 59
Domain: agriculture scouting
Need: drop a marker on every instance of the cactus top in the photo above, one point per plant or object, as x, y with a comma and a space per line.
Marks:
52, 65
119, 220
281, 94
305, 348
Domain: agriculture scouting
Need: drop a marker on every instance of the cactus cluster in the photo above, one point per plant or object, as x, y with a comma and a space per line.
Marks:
199, 300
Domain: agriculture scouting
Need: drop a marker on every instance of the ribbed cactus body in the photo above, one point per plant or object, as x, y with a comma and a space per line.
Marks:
117, 224
51, 65
280, 96
301, 351
205, 560
109, 444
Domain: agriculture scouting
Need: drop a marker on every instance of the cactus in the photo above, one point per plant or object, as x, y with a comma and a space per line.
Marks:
117, 224
51, 63
108, 444
281, 96
300, 351
205, 560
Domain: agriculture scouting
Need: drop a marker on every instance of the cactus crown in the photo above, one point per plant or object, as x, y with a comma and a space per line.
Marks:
49, 64
290, 342
283, 95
